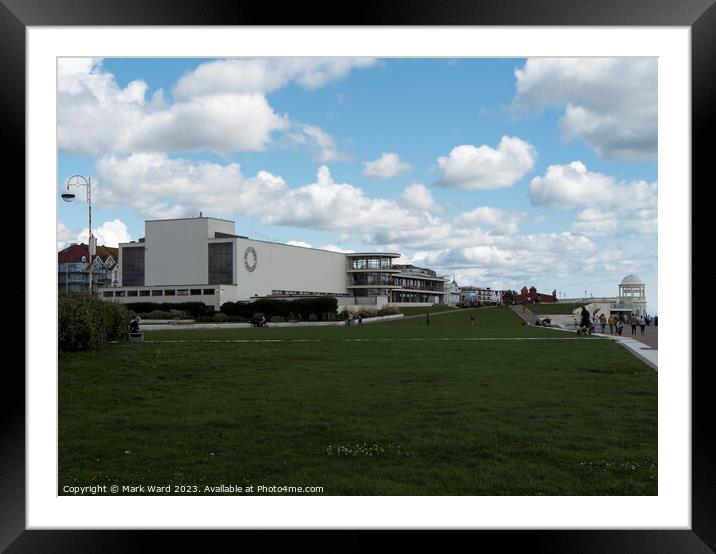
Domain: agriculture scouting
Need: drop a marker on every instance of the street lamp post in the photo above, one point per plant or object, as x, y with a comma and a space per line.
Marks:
69, 196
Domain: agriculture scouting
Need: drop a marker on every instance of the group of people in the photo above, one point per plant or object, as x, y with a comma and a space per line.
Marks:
616, 323
350, 320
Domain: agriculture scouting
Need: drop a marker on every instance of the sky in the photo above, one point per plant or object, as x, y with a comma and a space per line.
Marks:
501, 173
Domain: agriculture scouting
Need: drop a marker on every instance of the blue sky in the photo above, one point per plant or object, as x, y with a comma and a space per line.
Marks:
501, 172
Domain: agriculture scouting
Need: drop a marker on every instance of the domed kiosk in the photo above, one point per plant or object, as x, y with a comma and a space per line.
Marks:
632, 294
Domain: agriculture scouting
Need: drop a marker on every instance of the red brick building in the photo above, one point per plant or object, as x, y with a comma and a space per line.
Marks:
528, 296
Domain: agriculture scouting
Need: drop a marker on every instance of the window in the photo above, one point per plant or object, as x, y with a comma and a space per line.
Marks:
133, 266
121, 293
196, 292
131, 293
182, 292
221, 263
157, 292
170, 292
209, 292
108, 294
143, 293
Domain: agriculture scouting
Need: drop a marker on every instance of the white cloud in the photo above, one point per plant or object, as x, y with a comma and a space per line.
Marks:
158, 186
326, 204
299, 243
264, 75
595, 222
610, 103
319, 140
388, 165
110, 233
65, 236
223, 123
418, 196
572, 186
484, 167
502, 221
210, 112
334, 248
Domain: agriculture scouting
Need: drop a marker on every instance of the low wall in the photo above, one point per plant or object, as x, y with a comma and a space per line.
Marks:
188, 326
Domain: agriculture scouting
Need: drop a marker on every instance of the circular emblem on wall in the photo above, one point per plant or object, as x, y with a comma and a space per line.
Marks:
250, 259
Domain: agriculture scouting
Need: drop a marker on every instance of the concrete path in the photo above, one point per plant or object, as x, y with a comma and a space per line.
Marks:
188, 326
643, 347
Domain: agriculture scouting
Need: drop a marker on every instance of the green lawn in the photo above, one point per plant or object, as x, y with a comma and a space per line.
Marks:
395, 408
410, 310
554, 308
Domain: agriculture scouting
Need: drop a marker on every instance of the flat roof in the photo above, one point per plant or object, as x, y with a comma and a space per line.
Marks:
188, 219
383, 254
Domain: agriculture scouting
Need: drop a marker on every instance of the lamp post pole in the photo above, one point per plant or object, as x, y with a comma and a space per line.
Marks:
69, 196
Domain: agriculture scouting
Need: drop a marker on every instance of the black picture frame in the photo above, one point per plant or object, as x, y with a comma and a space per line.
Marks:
699, 15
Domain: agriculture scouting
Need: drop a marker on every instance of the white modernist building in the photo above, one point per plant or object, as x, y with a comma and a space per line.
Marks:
201, 259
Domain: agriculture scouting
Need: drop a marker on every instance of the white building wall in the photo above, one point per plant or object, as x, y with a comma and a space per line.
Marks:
177, 251
289, 268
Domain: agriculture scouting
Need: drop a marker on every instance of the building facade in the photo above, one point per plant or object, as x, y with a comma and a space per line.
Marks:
73, 268
528, 296
201, 259
472, 296
417, 285
631, 299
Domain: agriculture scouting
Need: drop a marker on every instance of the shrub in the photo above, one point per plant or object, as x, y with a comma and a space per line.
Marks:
85, 322
312, 317
277, 319
389, 310
157, 314
194, 309
301, 308
368, 312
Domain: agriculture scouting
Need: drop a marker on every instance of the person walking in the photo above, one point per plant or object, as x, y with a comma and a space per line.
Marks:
642, 324
633, 322
603, 322
472, 320
619, 327
611, 325
427, 319
656, 321
360, 319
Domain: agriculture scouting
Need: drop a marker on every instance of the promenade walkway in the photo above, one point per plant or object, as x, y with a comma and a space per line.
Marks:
644, 346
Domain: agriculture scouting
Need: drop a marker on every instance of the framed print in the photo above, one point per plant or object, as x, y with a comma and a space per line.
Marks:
331, 181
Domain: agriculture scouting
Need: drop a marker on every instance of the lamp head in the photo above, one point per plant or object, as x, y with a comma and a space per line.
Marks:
67, 194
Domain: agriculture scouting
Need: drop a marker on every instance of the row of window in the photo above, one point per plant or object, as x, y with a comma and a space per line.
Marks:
372, 263
156, 292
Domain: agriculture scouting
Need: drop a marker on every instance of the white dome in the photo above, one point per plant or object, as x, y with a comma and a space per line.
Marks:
631, 280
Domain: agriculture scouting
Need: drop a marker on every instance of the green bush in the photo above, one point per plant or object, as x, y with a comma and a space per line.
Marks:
194, 309
85, 322
312, 317
323, 307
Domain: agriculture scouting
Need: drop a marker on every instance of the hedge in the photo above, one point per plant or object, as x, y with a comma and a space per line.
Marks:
322, 307
194, 309
85, 322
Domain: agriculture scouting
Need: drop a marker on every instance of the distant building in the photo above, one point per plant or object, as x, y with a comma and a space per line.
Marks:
475, 295
73, 268
528, 296
452, 293
631, 299
417, 285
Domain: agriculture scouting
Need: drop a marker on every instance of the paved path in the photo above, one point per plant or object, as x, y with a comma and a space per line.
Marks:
643, 347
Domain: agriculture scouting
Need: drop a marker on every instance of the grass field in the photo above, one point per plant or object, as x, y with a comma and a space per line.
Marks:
395, 408
553, 308
410, 310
